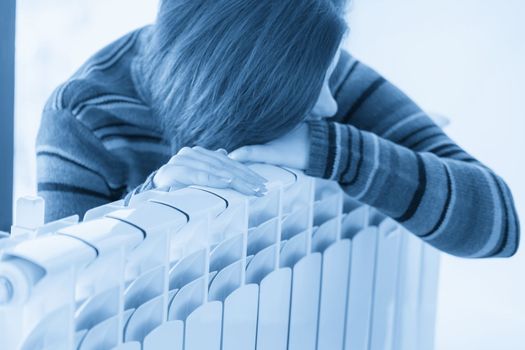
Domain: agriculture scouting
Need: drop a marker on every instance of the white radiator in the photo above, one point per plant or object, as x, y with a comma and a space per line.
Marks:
304, 267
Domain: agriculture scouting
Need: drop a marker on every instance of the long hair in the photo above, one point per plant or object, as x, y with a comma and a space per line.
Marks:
227, 73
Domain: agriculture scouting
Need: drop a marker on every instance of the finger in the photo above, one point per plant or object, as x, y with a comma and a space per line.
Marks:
254, 153
224, 163
203, 163
223, 156
188, 176
241, 187
232, 165
184, 176
191, 161
164, 178
218, 182
181, 173
184, 151
208, 156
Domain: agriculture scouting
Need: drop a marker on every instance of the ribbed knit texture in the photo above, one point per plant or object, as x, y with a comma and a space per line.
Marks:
98, 142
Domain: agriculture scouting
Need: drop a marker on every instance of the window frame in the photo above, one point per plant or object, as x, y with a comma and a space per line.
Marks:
7, 85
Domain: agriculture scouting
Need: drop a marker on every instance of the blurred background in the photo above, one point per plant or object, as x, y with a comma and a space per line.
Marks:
462, 59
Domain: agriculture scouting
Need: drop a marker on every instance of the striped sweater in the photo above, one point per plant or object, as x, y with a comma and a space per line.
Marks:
98, 141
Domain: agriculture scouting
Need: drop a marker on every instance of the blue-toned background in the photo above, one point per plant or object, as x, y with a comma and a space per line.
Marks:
463, 59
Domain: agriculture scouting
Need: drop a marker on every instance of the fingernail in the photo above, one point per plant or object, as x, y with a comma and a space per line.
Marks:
262, 190
226, 179
260, 193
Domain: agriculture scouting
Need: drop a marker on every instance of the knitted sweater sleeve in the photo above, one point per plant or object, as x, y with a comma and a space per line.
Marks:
75, 172
386, 152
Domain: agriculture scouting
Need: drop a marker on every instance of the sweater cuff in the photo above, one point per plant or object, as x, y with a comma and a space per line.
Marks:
319, 149
330, 149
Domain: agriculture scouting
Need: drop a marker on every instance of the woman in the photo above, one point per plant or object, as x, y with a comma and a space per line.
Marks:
259, 79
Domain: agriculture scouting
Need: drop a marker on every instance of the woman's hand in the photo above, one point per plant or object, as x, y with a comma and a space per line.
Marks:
290, 150
199, 166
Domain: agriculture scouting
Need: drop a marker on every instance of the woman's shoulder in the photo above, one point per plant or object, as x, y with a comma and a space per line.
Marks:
350, 71
105, 75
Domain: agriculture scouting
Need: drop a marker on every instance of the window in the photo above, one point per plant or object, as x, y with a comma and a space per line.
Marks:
53, 39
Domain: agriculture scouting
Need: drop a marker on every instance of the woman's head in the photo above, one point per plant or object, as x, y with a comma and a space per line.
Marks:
226, 73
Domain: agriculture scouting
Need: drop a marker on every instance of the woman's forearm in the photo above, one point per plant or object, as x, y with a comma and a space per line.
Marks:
384, 150
459, 207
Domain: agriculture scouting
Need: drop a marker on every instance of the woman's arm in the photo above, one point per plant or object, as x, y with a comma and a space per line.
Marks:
74, 170
386, 152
